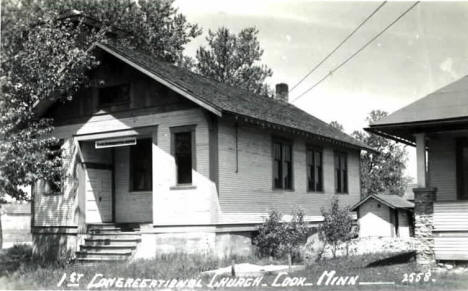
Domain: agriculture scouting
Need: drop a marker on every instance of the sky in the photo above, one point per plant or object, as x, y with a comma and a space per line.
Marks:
425, 50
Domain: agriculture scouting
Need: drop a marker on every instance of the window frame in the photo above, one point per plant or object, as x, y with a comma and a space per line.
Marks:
282, 141
181, 129
131, 168
338, 155
314, 149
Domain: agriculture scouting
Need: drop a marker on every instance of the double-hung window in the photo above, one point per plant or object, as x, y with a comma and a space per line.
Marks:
183, 150
314, 169
282, 165
341, 172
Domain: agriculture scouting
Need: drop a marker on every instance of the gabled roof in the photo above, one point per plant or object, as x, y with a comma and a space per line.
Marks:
392, 201
220, 98
447, 106
227, 99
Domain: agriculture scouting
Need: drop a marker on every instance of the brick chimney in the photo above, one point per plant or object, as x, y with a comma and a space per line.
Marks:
282, 92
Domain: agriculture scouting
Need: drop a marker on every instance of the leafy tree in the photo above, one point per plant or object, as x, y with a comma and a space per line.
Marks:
382, 172
337, 125
46, 58
234, 60
277, 238
337, 226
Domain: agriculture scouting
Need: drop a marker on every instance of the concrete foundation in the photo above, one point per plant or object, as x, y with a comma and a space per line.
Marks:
54, 246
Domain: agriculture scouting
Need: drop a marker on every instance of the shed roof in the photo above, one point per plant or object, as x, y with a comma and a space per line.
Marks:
392, 201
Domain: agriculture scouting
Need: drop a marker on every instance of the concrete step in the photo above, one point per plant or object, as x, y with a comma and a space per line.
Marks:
104, 255
98, 260
108, 248
114, 236
111, 242
111, 230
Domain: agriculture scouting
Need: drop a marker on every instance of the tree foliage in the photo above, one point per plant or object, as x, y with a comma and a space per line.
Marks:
46, 59
382, 172
234, 60
337, 226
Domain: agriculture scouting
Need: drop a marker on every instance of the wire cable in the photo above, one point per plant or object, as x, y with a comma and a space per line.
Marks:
339, 45
357, 52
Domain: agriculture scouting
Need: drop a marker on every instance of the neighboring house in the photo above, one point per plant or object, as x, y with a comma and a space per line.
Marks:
381, 215
166, 160
437, 125
16, 223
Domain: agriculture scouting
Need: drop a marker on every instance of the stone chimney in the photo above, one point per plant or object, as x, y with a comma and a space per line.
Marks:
282, 92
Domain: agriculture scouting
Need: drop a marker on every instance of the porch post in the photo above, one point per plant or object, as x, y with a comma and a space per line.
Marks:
421, 159
423, 225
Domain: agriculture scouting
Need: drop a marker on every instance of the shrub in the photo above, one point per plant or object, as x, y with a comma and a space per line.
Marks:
337, 225
276, 238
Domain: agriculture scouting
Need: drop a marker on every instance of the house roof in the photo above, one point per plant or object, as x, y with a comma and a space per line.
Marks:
220, 98
447, 106
392, 201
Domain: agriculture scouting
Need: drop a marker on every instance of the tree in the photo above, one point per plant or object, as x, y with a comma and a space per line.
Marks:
234, 60
47, 57
337, 125
337, 226
381, 172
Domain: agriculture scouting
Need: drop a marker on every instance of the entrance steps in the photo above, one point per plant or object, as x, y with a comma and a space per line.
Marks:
109, 242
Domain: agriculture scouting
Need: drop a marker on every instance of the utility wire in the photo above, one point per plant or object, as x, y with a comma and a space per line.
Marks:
339, 45
357, 52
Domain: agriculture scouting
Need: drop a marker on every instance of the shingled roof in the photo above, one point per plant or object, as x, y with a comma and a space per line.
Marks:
392, 201
227, 99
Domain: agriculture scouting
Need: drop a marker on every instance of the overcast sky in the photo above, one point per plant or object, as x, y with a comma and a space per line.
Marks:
424, 51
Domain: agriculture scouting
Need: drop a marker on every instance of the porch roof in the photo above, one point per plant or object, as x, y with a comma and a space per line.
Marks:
444, 109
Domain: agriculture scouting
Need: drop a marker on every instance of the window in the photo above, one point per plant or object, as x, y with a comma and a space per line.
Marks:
462, 169
141, 166
114, 95
341, 172
54, 185
184, 154
314, 170
282, 165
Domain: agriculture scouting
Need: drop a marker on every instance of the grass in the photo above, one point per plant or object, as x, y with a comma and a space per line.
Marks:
19, 271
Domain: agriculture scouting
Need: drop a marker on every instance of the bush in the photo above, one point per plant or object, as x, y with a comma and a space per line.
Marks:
277, 239
337, 226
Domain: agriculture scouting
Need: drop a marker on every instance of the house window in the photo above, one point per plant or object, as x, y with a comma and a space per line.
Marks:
183, 143
114, 95
341, 172
54, 185
314, 170
141, 166
282, 165
462, 169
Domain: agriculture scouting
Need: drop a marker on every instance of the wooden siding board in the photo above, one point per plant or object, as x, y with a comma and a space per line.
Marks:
442, 168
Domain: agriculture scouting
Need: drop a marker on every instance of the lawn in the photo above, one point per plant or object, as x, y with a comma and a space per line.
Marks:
17, 271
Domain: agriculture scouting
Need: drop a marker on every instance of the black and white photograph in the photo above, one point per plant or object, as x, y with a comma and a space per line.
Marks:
233, 145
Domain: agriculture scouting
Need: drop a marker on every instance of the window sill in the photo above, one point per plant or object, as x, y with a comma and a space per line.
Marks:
341, 193
277, 190
315, 192
183, 187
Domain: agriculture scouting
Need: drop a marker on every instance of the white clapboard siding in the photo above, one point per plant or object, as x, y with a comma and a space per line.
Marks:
451, 230
451, 216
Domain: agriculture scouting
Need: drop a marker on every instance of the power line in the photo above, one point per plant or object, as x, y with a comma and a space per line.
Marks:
357, 52
339, 45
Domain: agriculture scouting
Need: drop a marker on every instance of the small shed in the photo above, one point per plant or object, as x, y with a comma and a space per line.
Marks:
382, 215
